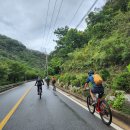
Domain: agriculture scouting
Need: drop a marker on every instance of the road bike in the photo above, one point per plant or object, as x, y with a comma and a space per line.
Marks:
101, 107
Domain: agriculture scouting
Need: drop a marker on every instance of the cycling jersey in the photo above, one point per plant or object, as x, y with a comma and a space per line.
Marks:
95, 88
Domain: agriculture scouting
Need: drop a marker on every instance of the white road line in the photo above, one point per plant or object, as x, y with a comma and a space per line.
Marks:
97, 115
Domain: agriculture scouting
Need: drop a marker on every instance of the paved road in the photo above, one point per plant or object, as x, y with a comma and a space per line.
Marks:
53, 112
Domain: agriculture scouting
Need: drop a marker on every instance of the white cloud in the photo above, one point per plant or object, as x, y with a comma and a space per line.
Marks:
24, 20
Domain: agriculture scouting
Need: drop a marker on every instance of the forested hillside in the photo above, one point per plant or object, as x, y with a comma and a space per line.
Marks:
18, 63
103, 46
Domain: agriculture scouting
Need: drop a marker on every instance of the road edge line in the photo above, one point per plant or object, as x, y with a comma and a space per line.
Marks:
84, 107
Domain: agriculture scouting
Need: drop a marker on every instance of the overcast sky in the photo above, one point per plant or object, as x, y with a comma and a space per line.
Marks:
25, 20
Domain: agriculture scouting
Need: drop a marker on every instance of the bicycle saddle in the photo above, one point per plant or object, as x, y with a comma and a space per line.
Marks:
99, 95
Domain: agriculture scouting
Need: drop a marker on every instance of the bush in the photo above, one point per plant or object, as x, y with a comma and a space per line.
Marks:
119, 101
61, 78
122, 82
75, 82
128, 67
67, 78
83, 79
105, 74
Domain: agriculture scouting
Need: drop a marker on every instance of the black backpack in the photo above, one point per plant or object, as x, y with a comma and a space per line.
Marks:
39, 82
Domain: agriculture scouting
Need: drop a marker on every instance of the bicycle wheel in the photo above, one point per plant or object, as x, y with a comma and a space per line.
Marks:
89, 104
40, 93
105, 114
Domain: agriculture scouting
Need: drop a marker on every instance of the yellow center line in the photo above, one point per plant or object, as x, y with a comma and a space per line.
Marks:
11, 112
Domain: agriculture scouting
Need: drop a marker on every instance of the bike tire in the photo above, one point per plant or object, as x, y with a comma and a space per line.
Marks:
105, 110
40, 93
89, 102
40, 96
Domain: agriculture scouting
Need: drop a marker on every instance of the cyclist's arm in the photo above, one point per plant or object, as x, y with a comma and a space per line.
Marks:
36, 83
42, 82
87, 83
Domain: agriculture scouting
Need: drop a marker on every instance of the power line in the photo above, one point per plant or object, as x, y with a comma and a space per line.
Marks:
86, 13
58, 14
57, 17
46, 20
52, 18
76, 11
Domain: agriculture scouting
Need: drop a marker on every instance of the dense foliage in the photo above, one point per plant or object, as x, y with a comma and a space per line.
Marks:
17, 63
103, 46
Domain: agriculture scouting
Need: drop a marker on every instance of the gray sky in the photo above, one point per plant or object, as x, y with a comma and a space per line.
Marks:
24, 20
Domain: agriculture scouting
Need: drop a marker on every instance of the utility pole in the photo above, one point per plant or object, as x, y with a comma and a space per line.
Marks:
46, 65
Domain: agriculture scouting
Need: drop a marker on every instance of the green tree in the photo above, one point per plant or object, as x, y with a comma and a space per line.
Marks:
3, 71
16, 71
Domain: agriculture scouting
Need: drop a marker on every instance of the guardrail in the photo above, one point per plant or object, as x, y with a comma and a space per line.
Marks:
10, 86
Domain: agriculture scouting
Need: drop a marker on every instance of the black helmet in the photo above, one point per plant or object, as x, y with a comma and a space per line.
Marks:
91, 72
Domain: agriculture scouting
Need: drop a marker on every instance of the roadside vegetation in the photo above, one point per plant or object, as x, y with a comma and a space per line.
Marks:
103, 46
17, 63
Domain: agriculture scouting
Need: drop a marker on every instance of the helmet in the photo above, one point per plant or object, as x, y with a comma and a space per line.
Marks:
39, 78
91, 72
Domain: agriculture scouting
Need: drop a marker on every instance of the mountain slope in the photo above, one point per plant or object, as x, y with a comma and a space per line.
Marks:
14, 50
17, 63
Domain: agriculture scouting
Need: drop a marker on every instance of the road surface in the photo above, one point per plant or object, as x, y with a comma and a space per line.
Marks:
53, 112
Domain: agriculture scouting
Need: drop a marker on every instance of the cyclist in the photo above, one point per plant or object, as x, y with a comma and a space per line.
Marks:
96, 89
39, 83
47, 79
53, 83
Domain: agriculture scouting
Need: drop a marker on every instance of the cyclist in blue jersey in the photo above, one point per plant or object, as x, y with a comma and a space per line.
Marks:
96, 89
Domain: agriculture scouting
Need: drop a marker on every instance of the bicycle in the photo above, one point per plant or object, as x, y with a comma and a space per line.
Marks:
101, 107
40, 92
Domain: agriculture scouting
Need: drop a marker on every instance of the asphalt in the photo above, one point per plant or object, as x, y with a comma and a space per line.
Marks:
53, 112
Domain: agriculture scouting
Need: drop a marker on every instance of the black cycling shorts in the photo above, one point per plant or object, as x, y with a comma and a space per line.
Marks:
97, 90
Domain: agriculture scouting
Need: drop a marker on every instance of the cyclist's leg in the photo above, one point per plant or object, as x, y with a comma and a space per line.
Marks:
38, 89
96, 90
55, 86
47, 83
92, 94
41, 88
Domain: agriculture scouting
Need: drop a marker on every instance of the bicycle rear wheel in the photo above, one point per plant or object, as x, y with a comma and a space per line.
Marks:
89, 104
40, 93
105, 114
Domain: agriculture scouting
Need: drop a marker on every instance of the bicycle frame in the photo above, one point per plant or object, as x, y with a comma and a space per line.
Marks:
98, 106
101, 107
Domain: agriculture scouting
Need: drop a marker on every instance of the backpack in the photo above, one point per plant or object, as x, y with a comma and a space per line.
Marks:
39, 82
97, 79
